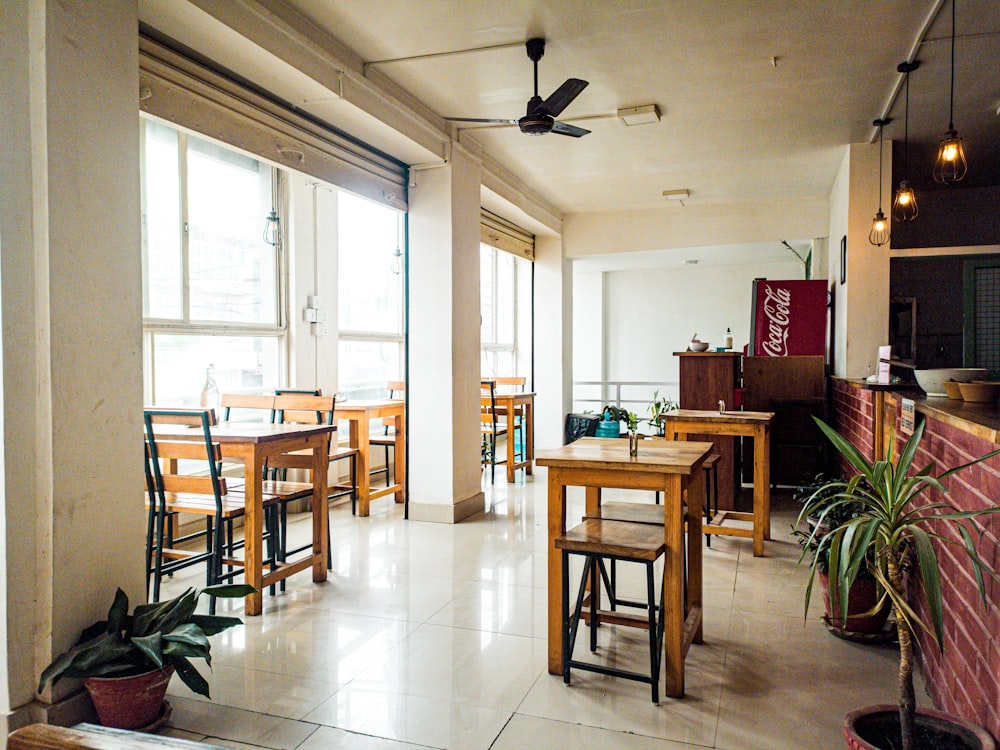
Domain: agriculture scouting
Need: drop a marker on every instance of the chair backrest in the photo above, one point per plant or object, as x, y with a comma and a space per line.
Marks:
517, 383
396, 388
232, 401
295, 408
163, 453
488, 411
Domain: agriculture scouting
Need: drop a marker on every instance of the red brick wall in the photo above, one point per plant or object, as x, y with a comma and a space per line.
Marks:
852, 414
965, 679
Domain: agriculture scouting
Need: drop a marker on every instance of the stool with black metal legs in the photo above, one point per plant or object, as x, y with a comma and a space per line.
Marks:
596, 540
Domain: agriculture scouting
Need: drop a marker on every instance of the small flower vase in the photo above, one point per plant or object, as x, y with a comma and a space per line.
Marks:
633, 442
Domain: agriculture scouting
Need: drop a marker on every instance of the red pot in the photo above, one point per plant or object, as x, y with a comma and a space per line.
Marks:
864, 721
864, 596
129, 702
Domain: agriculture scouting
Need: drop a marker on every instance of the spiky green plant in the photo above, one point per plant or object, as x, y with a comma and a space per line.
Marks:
153, 636
888, 530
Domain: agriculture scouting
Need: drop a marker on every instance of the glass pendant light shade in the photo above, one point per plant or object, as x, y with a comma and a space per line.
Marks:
880, 225
950, 165
904, 206
880, 230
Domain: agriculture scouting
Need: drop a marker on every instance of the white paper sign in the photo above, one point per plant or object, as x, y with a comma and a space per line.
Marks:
884, 352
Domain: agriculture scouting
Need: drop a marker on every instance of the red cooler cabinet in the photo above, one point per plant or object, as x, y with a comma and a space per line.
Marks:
789, 318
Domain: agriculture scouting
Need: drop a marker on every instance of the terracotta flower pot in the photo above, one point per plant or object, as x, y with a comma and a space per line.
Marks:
129, 702
864, 596
865, 728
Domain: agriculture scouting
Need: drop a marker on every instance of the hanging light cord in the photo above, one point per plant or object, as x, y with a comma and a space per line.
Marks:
882, 125
906, 127
951, 95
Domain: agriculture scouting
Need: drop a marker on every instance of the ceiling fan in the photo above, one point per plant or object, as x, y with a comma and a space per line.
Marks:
540, 117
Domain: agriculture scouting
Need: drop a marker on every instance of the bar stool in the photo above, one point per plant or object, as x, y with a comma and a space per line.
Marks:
596, 540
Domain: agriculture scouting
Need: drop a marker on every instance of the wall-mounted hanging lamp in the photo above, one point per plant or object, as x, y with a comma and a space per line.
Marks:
950, 165
904, 206
880, 225
272, 228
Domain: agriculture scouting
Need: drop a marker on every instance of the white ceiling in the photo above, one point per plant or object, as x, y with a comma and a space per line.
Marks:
734, 126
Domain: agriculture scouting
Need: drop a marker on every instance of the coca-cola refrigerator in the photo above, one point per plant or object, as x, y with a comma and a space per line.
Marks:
789, 318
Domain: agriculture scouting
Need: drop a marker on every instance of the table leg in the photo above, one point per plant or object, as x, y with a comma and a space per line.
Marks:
359, 440
557, 527
696, 494
761, 490
511, 432
673, 587
528, 435
253, 528
320, 513
399, 454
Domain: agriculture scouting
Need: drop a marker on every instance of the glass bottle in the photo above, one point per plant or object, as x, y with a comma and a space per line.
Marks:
210, 391
729, 339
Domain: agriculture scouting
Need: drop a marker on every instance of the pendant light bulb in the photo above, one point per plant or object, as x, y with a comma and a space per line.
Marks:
950, 165
879, 234
904, 205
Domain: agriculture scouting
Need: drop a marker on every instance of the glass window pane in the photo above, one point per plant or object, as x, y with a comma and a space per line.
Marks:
243, 364
232, 270
364, 367
161, 223
504, 302
370, 293
486, 258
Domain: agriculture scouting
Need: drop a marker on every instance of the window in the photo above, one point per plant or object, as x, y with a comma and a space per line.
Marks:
211, 284
498, 300
370, 293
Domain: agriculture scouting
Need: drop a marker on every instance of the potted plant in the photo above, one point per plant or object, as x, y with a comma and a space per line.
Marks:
890, 532
127, 660
657, 407
868, 609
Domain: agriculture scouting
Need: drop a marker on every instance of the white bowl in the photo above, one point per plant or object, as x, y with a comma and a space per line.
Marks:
699, 346
932, 381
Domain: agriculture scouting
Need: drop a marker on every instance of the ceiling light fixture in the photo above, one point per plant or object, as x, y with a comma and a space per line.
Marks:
950, 165
676, 195
692, 262
904, 206
880, 225
644, 115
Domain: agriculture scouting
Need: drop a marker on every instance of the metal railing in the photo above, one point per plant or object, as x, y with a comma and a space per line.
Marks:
635, 395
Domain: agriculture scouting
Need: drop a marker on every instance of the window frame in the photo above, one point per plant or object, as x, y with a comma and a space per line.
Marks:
151, 326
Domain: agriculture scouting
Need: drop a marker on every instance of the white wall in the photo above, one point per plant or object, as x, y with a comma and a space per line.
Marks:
650, 314
554, 343
839, 199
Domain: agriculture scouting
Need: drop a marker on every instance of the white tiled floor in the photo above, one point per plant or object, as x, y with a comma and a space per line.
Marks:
428, 635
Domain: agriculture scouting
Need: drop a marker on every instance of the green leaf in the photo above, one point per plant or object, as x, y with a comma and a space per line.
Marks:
152, 646
191, 676
930, 576
118, 612
212, 624
229, 591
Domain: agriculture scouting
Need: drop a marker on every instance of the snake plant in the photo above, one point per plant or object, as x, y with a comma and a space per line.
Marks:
888, 532
152, 637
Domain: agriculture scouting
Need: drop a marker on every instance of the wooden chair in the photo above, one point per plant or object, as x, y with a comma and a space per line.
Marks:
202, 492
387, 439
597, 540
493, 423
306, 408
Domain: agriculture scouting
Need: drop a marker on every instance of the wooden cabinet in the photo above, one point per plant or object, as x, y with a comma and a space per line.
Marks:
705, 379
794, 388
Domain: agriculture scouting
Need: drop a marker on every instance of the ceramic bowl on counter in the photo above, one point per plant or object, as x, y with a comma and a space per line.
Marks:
698, 346
980, 392
932, 381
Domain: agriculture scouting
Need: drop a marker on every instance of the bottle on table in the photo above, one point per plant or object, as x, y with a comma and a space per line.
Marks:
210, 391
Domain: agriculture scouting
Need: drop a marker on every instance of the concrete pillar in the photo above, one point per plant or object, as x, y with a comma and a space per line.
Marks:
72, 515
443, 389
553, 341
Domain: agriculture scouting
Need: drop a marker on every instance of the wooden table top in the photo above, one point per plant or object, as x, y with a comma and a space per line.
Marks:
245, 432
726, 417
662, 456
368, 403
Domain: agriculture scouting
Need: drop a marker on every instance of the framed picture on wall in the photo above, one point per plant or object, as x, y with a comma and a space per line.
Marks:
843, 259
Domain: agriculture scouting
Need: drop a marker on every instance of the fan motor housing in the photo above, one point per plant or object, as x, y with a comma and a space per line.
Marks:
536, 124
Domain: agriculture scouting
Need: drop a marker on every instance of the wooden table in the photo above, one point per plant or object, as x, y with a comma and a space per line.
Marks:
679, 423
359, 414
508, 403
253, 443
672, 468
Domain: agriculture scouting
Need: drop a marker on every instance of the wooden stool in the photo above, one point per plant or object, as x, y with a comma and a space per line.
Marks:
595, 540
